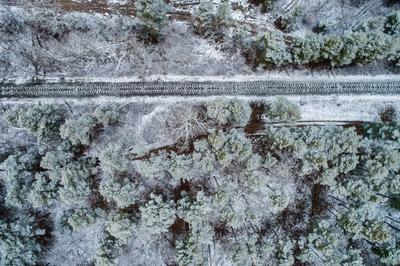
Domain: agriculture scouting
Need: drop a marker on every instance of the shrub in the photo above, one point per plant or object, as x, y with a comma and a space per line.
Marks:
388, 114
185, 123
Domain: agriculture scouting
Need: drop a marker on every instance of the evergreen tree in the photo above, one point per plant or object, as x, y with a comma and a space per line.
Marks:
122, 226
153, 15
42, 120
18, 242
158, 215
78, 131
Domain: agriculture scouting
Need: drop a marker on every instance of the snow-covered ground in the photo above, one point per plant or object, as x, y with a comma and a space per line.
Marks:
89, 45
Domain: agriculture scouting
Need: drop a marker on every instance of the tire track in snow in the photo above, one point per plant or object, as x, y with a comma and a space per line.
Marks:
256, 88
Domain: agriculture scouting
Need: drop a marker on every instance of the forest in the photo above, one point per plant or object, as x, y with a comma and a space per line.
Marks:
239, 182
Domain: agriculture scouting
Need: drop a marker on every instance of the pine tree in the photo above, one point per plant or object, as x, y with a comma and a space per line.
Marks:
282, 110
233, 112
123, 190
42, 121
306, 50
153, 15
78, 130
82, 218
276, 50
114, 158
158, 215
18, 242
392, 24
106, 114
44, 191
122, 226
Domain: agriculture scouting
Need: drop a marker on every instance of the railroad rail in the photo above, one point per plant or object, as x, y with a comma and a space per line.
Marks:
256, 88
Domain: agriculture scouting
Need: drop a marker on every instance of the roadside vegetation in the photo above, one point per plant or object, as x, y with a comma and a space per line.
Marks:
241, 184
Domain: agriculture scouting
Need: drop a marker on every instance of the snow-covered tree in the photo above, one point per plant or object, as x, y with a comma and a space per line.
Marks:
153, 15
392, 24
122, 226
82, 218
106, 114
233, 112
176, 165
18, 175
190, 252
42, 120
250, 249
306, 50
114, 158
158, 215
54, 161
195, 211
210, 20
123, 190
322, 244
386, 131
377, 232
78, 130
18, 242
276, 50
204, 156
331, 48
284, 252
107, 253
268, 4
371, 46
231, 146
282, 110
389, 254
43, 191
75, 181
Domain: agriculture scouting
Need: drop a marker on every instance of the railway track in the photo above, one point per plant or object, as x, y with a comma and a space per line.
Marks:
256, 88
